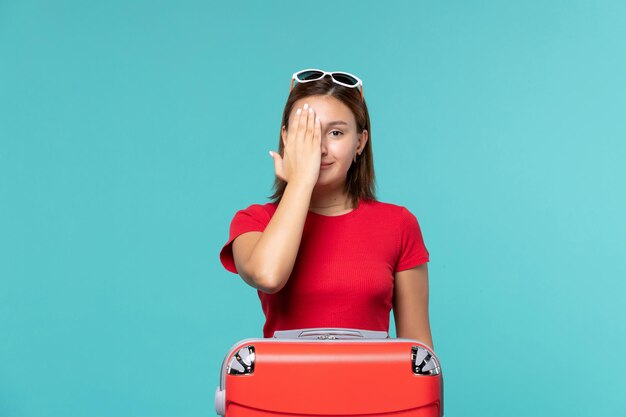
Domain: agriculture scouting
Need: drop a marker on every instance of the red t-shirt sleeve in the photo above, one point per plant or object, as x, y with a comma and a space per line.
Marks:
252, 219
413, 252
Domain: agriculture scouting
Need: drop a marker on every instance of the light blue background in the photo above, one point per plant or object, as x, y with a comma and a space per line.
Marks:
131, 132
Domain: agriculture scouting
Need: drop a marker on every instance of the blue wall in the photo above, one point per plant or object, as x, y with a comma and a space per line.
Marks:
131, 132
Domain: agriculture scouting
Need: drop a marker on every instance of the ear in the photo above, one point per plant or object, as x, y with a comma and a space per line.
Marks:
362, 141
283, 135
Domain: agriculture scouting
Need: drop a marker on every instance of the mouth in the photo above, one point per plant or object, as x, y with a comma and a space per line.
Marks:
325, 165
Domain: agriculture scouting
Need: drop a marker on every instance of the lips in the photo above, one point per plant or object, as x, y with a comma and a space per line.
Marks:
325, 164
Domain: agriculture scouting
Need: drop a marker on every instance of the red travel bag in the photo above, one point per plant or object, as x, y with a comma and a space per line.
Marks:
330, 372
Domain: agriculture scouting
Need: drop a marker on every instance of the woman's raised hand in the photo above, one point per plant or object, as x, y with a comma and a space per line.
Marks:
302, 150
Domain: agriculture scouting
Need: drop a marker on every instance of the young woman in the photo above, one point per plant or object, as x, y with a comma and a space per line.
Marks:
325, 252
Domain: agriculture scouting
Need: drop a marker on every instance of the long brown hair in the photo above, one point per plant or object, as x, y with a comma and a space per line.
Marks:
360, 181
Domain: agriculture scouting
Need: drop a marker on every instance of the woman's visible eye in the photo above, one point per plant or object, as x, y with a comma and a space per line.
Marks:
336, 131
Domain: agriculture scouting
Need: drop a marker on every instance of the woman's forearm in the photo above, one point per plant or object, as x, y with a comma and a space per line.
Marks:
424, 337
275, 253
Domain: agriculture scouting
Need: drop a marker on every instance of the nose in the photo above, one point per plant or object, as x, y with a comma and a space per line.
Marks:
324, 144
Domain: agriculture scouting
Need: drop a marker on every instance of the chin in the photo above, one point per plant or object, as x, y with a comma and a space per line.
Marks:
329, 182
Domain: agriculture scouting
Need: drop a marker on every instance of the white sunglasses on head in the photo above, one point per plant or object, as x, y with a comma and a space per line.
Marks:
342, 78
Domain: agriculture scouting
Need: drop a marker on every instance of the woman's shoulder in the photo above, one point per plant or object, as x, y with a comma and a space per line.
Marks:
386, 207
260, 209
398, 214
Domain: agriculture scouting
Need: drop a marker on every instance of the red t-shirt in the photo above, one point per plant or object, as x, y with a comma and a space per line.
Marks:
344, 272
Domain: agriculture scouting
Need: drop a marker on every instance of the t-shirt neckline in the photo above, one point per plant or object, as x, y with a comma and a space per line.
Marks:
347, 215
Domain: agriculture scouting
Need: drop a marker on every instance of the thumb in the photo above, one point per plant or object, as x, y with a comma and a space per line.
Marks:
278, 165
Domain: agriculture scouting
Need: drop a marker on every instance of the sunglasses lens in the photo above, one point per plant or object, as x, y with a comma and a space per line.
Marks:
310, 75
342, 77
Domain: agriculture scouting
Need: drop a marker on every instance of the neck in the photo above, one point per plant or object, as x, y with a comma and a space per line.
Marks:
330, 201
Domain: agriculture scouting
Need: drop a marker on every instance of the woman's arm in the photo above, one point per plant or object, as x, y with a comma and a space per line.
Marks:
410, 304
265, 259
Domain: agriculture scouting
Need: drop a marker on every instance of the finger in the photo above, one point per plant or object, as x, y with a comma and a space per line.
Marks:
292, 132
278, 165
317, 137
303, 123
310, 125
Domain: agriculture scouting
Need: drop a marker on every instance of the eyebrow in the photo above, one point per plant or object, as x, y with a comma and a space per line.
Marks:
337, 122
